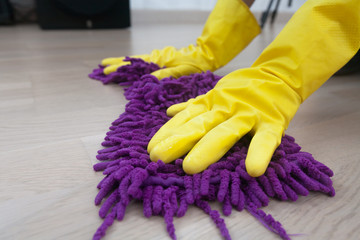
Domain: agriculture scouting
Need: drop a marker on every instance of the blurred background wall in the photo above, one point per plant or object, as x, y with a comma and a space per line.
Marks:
205, 5
24, 10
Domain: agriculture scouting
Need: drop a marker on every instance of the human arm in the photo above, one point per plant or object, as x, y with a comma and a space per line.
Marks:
319, 39
227, 31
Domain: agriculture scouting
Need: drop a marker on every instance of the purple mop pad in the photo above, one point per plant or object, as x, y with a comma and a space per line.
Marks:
164, 189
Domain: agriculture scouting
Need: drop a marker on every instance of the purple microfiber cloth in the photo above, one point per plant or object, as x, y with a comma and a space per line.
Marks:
165, 189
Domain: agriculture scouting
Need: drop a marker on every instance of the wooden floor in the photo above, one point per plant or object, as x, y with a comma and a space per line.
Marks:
53, 119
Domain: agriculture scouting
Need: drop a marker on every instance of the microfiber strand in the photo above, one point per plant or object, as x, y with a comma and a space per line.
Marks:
165, 189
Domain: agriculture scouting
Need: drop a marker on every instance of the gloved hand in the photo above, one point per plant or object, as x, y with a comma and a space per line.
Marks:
228, 30
320, 38
211, 124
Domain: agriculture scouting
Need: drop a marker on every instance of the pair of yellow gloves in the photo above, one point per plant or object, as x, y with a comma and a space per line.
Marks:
321, 37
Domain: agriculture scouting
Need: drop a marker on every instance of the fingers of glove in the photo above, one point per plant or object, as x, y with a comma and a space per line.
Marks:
176, 72
261, 150
215, 144
176, 108
111, 61
112, 68
178, 120
185, 136
120, 60
112, 64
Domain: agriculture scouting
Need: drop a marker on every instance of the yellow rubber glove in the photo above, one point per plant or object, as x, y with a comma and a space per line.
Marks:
320, 38
228, 30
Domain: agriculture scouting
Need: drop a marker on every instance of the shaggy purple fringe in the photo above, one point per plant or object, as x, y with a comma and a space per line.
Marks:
165, 189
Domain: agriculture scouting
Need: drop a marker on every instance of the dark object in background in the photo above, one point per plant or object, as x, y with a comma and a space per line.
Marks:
266, 13
83, 14
6, 13
24, 11
352, 66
